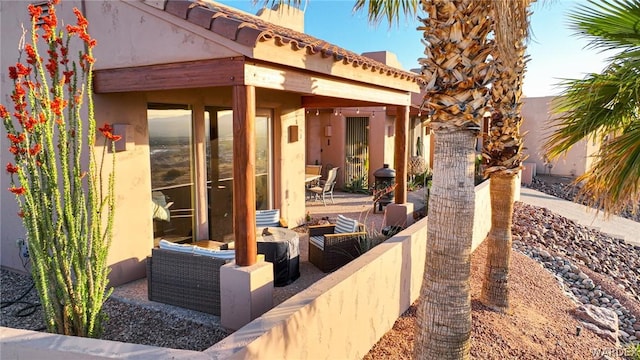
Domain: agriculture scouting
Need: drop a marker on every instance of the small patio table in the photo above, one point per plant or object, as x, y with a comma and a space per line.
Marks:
281, 247
309, 181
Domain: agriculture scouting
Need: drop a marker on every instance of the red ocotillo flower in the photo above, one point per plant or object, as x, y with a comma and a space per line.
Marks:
12, 169
17, 190
35, 150
16, 139
107, 131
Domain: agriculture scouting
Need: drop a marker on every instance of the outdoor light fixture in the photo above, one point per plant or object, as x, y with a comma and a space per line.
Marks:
358, 111
335, 112
328, 131
373, 114
317, 112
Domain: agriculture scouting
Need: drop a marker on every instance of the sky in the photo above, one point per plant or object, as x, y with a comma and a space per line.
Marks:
555, 52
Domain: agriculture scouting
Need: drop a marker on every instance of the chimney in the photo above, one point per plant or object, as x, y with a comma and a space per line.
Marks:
284, 15
385, 57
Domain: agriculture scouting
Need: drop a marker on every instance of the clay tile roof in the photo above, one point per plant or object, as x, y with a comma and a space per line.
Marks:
249, 30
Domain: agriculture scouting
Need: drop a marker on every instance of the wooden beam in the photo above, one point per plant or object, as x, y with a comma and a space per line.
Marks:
183, 75
309, 83
328, 102
402, 129
244, 174
328, 66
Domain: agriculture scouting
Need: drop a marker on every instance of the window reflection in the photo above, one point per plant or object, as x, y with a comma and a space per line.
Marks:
170, 144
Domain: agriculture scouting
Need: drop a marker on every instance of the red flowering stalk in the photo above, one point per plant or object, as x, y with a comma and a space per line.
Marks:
68, 219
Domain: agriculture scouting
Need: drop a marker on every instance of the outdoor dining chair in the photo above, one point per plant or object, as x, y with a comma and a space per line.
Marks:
326, 188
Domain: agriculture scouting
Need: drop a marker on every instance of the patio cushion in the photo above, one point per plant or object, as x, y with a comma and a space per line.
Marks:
267, 218
317, 241
168, 245
190, 249
345, 225
218, 254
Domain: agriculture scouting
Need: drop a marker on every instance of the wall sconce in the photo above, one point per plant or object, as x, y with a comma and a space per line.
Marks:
335, 112
358, 111
293, 133
328, 131
373, 114
317, 112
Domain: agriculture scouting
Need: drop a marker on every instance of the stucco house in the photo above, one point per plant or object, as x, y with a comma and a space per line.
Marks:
212, 103
536, 127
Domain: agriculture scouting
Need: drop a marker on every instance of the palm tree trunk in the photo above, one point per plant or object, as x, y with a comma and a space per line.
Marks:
495, 290
444, 313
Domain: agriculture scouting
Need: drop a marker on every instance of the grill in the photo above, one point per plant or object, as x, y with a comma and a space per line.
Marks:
383, 192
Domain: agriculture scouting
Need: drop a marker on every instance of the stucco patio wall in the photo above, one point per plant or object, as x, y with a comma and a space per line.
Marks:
340, 317
344, 314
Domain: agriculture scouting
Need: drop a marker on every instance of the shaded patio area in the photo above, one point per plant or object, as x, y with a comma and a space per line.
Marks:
356, 206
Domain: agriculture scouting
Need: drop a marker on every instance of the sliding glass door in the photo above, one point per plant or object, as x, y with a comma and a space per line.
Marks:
173, 170
220, 168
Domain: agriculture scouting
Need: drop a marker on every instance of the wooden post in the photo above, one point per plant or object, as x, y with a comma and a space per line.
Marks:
244, 174
400, 153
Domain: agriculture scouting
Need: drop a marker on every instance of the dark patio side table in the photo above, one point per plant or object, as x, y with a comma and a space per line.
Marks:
282, 248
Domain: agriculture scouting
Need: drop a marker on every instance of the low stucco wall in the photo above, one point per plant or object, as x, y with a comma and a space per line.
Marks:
365, 297
340, 317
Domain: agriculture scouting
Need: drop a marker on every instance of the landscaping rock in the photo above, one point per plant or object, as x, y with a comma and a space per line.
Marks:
599, 316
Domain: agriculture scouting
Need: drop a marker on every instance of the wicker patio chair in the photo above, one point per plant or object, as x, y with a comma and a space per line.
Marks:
182, 279
333, 245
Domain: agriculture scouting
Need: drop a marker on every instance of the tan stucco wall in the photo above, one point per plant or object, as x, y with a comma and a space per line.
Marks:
536, 113
133, 230
146, 36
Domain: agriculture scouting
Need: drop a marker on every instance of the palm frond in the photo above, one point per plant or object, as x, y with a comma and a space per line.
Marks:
274, 3
613, 182
390, 10
511, 25
598, 104
608, 24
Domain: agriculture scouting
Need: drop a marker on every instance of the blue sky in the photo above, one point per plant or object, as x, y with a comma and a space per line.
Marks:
554, 51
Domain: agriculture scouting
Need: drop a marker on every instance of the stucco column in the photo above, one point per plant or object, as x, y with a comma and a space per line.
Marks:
244, 174
400, 153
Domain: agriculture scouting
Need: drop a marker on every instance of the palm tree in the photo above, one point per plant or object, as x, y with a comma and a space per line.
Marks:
605, 107
456, 72
502, 151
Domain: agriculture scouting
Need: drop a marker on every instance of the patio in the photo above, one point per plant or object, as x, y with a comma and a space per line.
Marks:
356, 206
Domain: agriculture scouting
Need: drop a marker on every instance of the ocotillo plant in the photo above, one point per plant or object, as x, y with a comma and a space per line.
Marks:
66, 209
